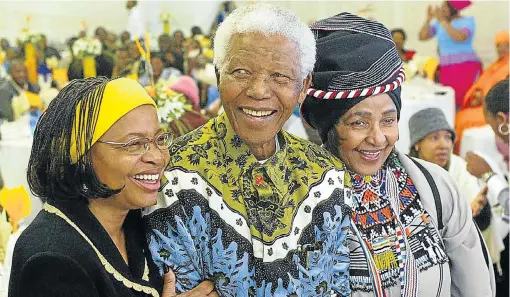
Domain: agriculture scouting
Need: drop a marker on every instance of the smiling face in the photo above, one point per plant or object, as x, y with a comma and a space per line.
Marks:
436, 147
260, 85
367, 134
138, 175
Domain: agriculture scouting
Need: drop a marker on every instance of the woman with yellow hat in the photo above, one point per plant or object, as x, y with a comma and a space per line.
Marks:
97, 159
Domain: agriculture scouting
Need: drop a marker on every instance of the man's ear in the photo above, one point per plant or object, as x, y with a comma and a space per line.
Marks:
306, 84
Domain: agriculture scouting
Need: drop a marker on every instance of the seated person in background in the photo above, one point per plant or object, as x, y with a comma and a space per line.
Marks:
399, 37
104, 67
122, 63
191, 119
15, 85
471, 113
432, 140
173, 57
160, 73
48, 51
137, 63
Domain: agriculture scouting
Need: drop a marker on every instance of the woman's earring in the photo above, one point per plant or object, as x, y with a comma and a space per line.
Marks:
504, 132
416, 148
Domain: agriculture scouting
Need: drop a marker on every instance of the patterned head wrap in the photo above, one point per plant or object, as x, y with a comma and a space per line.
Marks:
356, 59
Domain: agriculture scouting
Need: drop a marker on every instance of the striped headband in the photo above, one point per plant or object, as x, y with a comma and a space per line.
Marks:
350, 94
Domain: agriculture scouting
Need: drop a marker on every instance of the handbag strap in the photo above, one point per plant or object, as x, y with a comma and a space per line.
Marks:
435, 193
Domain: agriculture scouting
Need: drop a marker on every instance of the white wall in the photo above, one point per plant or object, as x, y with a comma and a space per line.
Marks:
61, 19
491, 17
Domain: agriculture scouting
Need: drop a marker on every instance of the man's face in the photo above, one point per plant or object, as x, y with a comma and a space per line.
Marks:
19, 73
125, 37
260, 85
165, 43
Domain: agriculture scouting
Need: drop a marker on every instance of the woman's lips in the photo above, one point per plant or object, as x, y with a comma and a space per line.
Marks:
370, 155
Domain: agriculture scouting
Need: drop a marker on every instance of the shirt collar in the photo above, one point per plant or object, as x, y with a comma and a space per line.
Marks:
242, 160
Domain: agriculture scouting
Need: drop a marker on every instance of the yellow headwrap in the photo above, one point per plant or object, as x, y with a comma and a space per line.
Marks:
501, 37
120, 97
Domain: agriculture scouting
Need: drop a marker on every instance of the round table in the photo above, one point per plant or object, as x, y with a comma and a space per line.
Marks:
420, 94
15, 148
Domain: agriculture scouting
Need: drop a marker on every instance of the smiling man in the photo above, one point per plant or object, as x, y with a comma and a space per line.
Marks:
253, 209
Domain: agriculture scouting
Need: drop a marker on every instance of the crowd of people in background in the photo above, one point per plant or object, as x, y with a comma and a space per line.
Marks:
181, 64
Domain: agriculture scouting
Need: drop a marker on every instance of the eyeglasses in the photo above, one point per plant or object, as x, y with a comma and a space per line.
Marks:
140, 146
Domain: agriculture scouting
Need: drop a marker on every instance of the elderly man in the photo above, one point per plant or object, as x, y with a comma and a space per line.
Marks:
16, 84
247, 206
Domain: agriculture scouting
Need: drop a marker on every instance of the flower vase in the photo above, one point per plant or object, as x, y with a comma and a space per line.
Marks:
166, 27
89, 66
31, 62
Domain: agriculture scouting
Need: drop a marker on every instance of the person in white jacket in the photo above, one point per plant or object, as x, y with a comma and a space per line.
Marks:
432, 140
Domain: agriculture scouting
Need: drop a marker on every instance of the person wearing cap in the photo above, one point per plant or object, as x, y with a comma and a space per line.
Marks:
258, 211
97, 159
471, 114
432, 140
460, 66
407, 237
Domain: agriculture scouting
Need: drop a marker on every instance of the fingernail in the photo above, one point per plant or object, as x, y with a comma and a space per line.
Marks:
165, 269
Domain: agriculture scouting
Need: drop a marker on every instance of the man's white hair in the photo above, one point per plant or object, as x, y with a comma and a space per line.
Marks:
266, 19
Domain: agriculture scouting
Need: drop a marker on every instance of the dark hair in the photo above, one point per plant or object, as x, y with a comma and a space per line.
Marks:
497, 98
163, 37
99, 29
399, 30
51, 173
15, 62
158, 55
453, 11
413, 152
196, 30
332, 141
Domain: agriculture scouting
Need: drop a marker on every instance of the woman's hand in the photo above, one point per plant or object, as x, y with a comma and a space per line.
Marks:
204, 289
430, 13
479, 202
440, 15
476, 165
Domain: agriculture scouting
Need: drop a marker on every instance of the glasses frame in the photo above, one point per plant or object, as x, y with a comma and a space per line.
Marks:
147, 144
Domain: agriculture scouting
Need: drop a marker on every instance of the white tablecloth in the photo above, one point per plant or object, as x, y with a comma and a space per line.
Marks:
15, 148
482, 139
418, 95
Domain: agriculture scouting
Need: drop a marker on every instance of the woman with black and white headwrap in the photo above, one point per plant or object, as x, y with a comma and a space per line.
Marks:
411, 233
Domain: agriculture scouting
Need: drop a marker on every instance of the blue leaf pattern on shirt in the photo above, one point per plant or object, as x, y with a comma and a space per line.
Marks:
194, 256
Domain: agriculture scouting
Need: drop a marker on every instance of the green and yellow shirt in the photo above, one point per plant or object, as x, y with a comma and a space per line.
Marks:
274, 228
